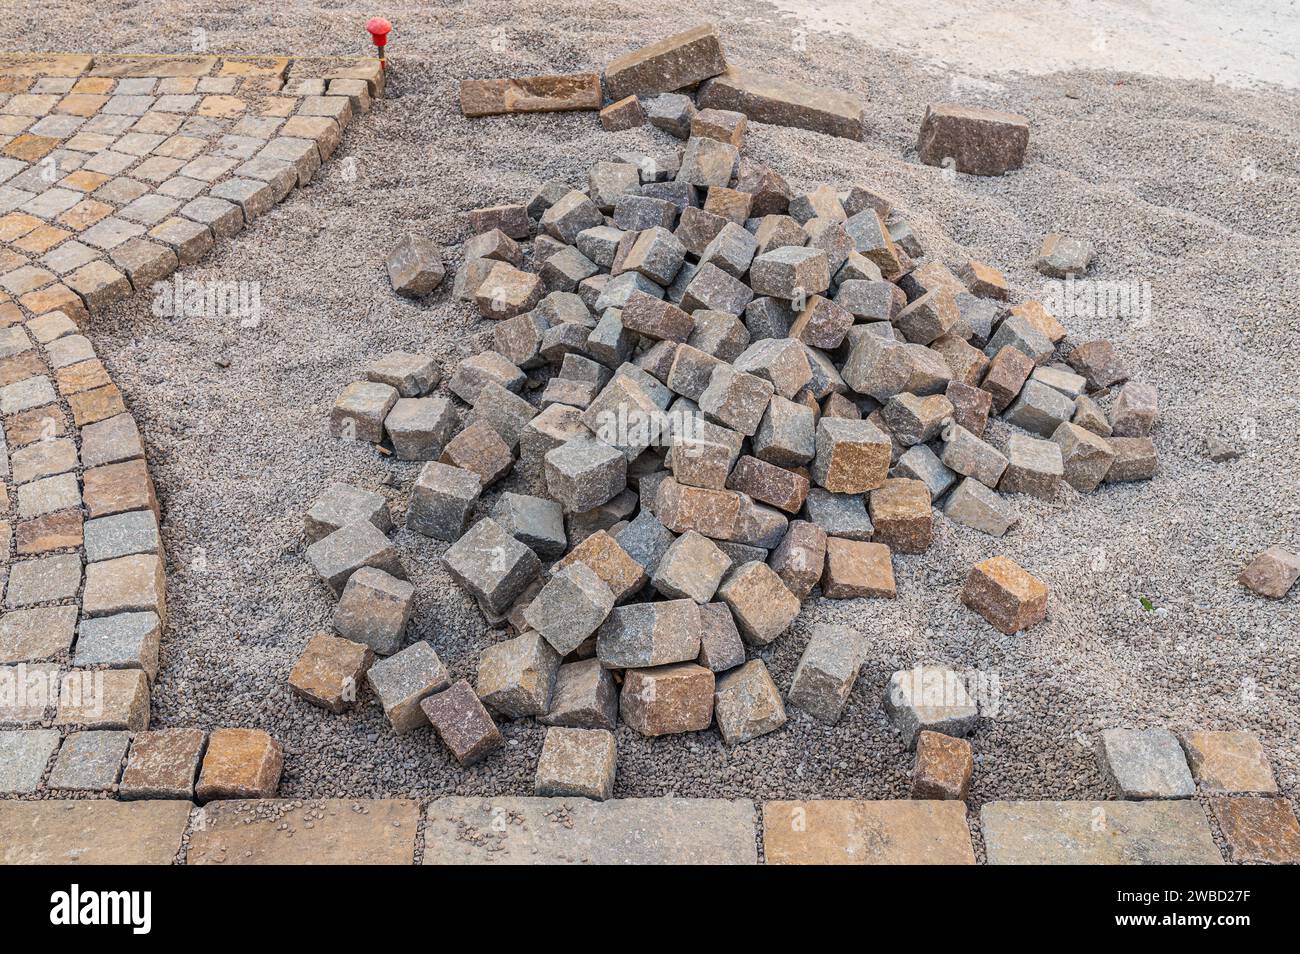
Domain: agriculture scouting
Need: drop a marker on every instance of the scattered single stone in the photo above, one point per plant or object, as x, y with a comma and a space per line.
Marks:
336, 557
570, 607
415, 267
530, 94
1135, 459
943, 767
1135, 410
1272, 573
602, 553
974, 505
329, 671
1034, 467
1004, 594
650, 634
929, 697
671, 112
576, 762
672, 63
747, 703
516, 676
972, 140
492, 565
360, 410
462, 723
761, 603
374, 610
779, 101
1061, 256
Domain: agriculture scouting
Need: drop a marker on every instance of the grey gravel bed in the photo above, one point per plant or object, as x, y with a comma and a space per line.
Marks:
1155, 172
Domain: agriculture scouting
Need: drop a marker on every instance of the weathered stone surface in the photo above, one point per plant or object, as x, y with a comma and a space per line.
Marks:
442, 500
421, 427
346, 550
850, 832
403, 679
709, 288
342, 504
786, 435
462, 723
1040, 409
666, 65
747, 703
584, 473
1259, 830
530, 94
916, 420
981, 142
570, 607
1098, 363
240, 763
721, 647
766, 98
943, 767
691, 568
1097, 833
360, 410
1228, 762
38, 633
921, 463
91, 831
650, 634
615, 832
855, 568
109, 699
1086, 458
790, 272
576, 762
969, 456
324, 832
516, 676
1006, 375
1034, 467
800, 557
508, 291
779, 361
1272, 573
852, 456
713, 513
328, 673
601, 552
840, 515
89, 761
1135, 459
774, 485
415, 266
511, 220
1005, 595
1145, 763
585, 697
571, 214
667, 699
1063, 255
826, 672
900, 512
491, 564
1135, 410
929, 697
973, 505
761, 603
163, 764
23, 757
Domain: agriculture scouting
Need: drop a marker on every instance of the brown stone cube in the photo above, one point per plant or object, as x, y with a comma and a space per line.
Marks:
943, 767
798, 561
773, 485
667, 699
329, 671
627, 113
762, 604
1006, 375
601, 552
240, 763
462, 722
855, 568
1259, 830
973, 140
117, 488
900, 512
971, 406
1005, 595
984, 280
724, 125
713, 513
480, 450
1271, 574
163, 764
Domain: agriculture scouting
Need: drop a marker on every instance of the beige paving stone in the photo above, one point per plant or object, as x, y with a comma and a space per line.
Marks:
240, 763
579, 831
294, 832
1097, 833
91, 832
163, 764
866, 832
1228, 762
104, 699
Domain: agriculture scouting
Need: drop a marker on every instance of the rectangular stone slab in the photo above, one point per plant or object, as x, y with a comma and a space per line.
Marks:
91, 832
1098, 833
578, 831
852, 832
782, 102
530, 94
384, 834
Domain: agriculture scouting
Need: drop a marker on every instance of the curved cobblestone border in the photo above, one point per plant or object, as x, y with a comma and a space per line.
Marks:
114, 172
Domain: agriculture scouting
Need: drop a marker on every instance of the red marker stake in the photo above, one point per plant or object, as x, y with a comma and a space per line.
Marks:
379, 28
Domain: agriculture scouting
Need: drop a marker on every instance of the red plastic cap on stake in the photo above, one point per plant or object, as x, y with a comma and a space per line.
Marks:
379, 28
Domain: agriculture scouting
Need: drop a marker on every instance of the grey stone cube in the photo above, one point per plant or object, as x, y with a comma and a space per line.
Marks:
536, 522
584, 472
974, 505
570, 607
585, 697
649, 634
1039, 409
826, 672
120, 641
359, 411
442, 500
403, 679
375, 609
420, 427
342, 504
336, 557
90, 761
1144, 763
492, 565
411, 374
932, 698
969, 456
516, 677
840, 515
1034, 467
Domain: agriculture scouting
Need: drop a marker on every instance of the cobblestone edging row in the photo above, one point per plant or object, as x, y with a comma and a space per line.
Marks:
457, 830
114, 172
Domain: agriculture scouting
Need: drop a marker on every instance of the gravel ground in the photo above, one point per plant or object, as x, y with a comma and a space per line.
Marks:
1188, 186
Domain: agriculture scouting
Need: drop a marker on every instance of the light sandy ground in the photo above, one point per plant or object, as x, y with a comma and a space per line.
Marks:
1186, 185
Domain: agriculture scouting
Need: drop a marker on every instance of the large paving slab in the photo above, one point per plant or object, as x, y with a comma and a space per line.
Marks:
852, 832
1098, 833
279, 831
91, 832
578, 831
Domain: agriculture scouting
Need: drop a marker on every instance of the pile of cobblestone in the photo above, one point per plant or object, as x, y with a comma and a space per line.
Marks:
710, 397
